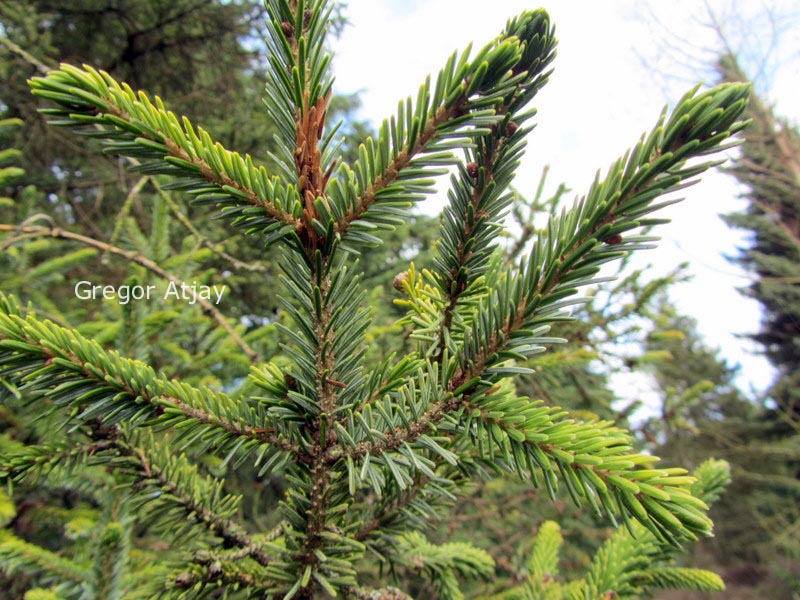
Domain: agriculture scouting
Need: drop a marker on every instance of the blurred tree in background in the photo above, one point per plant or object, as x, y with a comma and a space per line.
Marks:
768, 168
702, 413
758, 523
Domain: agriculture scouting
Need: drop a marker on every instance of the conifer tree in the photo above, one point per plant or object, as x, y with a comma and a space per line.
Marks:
370, 452
769, 168
703, 413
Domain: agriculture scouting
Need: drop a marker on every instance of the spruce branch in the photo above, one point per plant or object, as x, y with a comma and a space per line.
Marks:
413, 507
39, 460
413, 146
681, 578
594, 460
627, 562
480, 195
111, 560
327, 376
577, 243
543, 562
162, 478
133, 126
169, 479
632, 563
298, 75
75, 371
19, 555
446, 565
209, 577
327, 359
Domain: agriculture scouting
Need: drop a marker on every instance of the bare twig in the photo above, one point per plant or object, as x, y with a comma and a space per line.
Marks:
257, 267
139, 259
26, 56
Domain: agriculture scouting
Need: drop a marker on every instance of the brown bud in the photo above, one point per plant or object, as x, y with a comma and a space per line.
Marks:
288, 29
184, 580
291, 382
472, 170
511, 128
215, 569
613, 240
307, 14
399, 279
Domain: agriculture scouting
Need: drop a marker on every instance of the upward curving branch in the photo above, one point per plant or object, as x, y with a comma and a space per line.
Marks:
202, 499
591, 234
131, 125
396, 168
480, 194
77, 372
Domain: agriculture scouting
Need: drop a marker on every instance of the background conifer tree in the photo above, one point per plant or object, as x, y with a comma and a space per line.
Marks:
769, 169
702, 413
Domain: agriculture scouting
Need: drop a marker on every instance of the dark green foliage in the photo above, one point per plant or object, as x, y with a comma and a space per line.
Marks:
214, 45
144, 43
769, 168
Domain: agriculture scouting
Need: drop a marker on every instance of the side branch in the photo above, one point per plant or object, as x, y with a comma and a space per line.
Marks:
480, 193
415, 145
214, 575
134, 126
400, 162
230, 532
14, 550
77, 372
576, 245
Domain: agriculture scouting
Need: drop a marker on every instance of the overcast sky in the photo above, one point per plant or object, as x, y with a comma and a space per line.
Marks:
598, 102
